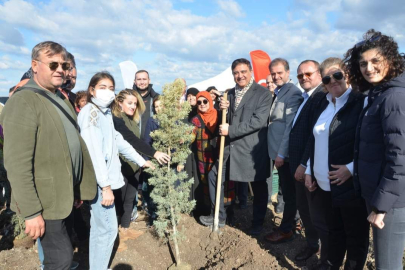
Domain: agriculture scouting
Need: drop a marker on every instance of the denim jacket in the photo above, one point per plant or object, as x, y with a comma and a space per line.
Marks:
104, 144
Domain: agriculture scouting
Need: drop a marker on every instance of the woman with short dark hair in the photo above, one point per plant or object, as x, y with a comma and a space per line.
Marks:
376, 66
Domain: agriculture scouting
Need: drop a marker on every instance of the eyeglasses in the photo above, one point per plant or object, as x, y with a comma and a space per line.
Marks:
199, 102
54, 65
372, 39
337, 76
306, 74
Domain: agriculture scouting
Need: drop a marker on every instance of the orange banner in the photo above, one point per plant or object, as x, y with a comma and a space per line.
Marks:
260, 63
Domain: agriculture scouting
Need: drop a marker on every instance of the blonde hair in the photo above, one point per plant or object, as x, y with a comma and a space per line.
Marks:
122, 95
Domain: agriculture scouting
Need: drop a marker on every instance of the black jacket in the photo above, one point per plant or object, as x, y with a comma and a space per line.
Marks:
379, 167
138, 144
342, 132
301, 131
148, 100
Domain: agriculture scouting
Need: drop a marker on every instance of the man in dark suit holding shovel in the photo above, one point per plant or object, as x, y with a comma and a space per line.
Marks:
245, 154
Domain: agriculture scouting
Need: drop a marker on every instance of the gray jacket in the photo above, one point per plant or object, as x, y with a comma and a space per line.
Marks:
282, 115
246, 145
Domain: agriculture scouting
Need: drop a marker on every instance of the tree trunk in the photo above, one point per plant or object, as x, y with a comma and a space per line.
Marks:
173, 220
176, 246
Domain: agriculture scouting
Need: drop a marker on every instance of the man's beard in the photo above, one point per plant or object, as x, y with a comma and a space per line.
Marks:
142, 90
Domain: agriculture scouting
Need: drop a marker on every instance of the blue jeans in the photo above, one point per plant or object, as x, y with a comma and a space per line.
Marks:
389, 242
103, 232
40, 253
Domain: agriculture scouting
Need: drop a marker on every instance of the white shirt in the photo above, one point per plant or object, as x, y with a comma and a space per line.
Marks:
321, 134
306, 96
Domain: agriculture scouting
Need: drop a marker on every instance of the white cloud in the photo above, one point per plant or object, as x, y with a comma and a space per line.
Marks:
179, 43
231, 7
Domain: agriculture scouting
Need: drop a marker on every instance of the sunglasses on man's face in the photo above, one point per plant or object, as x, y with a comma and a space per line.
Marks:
337, 76
199, 102
54, 65
306, 74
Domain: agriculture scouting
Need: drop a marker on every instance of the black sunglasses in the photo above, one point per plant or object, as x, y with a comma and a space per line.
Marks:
372, 39
54, 65
199, 102
337, 76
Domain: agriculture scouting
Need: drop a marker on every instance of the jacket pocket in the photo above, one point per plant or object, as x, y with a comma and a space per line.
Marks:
46, 192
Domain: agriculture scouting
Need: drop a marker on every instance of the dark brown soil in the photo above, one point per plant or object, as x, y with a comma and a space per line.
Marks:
231, 249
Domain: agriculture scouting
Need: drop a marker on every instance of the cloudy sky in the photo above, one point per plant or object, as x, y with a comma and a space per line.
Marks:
194, 39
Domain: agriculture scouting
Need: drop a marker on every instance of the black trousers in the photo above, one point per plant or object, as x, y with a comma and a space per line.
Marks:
259, 189
79, 225
124, 199
56, 244
287, 183
341, 229
302, 196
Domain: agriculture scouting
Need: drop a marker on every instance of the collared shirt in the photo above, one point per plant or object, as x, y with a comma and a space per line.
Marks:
306, 96
239, 92
321, 134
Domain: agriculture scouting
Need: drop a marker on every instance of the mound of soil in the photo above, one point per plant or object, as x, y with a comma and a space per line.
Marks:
231, 249
201, 249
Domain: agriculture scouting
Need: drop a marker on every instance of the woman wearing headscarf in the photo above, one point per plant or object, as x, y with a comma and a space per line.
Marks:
205, 151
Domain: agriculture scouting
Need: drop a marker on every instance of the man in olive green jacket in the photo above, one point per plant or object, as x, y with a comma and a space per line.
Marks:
47, 161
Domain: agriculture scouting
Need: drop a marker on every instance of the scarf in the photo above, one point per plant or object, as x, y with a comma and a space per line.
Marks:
210, 117
239, 92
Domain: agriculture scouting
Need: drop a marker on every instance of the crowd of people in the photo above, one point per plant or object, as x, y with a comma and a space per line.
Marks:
337, 141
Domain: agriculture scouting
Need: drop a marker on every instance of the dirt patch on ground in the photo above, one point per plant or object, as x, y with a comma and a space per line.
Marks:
231, 249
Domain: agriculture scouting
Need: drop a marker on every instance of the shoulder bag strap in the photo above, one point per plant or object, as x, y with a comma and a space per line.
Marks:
68, 116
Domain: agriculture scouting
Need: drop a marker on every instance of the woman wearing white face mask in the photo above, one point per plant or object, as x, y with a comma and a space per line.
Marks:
104, 144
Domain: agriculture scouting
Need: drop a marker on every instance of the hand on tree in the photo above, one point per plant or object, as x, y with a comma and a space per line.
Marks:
340, 175
148, 164
309, 183
161, 157
376, 220
278, 162
35, 227
180, 167
224, 129
300, 173
108, 196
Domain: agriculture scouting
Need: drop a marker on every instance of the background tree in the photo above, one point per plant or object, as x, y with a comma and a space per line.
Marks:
171, 190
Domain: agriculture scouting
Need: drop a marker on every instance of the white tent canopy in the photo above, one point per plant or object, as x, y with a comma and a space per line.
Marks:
222, 82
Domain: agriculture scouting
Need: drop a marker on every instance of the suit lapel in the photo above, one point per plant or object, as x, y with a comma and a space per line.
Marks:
280, 94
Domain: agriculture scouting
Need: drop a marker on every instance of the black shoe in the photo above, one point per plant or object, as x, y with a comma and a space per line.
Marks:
306, 254
209, 221
243, 206
256, 230
324, 266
